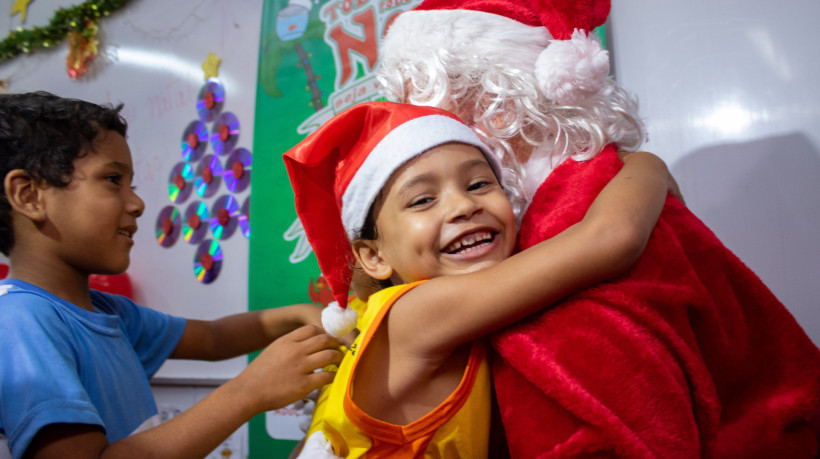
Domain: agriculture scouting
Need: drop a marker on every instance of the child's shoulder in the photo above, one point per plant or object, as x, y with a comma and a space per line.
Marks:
27, 317
20, 300
379, 302
21, 303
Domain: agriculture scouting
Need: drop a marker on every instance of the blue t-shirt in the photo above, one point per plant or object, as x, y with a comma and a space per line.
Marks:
63, 364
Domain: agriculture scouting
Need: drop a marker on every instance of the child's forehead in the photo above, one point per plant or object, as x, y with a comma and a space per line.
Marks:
109, 146
459, 158
458, 150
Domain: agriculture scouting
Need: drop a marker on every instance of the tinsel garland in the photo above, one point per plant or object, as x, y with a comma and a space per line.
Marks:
77, 18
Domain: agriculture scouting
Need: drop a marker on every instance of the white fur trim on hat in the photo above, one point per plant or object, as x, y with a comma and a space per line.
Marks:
418, 36
569, 71
337, 321
396, 148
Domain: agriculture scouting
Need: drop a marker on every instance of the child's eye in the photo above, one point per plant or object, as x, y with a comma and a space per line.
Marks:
478, 185
420, 201
115, 178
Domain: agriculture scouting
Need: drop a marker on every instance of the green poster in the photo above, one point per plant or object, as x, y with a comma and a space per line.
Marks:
316, 58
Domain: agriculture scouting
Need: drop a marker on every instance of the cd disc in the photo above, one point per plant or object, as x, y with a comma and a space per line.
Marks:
194, 141
195, 222
168, 226
238, 170
210, 100
208, 176
180, 182
224, 133
207, 261
245, 218
224, 215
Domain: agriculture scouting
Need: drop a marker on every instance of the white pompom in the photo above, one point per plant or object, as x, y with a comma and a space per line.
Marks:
569, 71
337, 321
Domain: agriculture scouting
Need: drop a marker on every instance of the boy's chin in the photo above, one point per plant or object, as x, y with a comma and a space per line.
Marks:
115, 270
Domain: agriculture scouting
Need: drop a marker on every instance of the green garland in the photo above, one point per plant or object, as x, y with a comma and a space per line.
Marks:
64, 21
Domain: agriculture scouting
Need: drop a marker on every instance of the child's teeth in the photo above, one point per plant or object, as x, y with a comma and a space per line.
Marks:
468, 240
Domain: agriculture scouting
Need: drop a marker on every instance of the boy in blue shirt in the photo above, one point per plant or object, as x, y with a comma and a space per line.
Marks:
74, 376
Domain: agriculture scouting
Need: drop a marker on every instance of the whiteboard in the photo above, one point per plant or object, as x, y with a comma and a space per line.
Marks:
731, 99
150, 59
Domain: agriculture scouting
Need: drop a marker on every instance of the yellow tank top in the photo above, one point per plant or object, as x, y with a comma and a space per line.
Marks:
457, 428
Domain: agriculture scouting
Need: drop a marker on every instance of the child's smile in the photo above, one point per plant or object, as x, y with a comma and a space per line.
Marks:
470, 244
444, 213
128, 233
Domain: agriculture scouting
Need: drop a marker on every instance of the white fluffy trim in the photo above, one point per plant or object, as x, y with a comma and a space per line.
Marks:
569, 71
337, 321
420, 36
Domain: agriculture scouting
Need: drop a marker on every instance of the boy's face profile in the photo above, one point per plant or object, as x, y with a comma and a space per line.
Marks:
93, 219
444, 212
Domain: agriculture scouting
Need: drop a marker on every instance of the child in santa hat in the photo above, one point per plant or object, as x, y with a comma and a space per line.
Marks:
412, 195
686, 355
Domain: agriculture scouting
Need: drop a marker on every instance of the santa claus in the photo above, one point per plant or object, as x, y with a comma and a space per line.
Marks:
688, 354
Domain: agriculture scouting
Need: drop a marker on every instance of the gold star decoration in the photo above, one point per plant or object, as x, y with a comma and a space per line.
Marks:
211, 66
20, 6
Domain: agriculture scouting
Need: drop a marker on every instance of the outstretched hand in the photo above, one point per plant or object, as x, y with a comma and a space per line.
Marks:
285, 371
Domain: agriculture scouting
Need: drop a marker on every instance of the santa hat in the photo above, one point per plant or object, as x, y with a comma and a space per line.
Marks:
568, 64
338, 171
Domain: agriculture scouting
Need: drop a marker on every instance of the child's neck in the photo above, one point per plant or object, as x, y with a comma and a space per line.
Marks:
72, 287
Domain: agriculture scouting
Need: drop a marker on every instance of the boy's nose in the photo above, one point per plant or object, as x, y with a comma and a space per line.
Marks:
136, 204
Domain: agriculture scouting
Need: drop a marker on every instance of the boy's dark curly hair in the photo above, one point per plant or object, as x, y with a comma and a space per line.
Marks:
43, 134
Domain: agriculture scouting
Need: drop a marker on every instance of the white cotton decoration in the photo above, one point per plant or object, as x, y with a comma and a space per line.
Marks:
337, 321
569, 71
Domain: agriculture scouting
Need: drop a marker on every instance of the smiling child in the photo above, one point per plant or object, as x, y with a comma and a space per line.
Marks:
74, 377
413, 196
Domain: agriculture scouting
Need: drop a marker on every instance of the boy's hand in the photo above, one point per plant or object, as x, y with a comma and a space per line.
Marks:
285, 371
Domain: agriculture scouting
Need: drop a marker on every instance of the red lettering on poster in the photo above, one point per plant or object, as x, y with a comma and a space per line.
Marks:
331, 9
367, 47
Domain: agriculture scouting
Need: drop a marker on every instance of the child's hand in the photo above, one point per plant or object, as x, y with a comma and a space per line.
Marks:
285, 371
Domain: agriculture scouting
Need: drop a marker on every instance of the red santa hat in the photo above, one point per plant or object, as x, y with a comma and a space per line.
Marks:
568, 64
338, 171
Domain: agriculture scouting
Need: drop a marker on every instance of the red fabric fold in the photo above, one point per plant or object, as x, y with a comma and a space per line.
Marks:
686, 355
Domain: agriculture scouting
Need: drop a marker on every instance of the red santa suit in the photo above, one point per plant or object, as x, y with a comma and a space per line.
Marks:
686, 355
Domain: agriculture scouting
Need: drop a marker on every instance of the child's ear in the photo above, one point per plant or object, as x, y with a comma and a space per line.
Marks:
369, 257
24, 194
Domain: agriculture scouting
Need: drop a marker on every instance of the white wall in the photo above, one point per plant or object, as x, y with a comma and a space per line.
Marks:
730, 94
